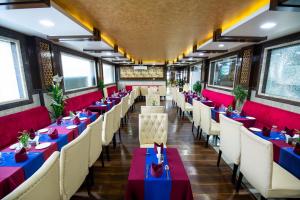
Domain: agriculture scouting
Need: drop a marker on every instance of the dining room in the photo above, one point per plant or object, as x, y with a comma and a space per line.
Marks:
151, 100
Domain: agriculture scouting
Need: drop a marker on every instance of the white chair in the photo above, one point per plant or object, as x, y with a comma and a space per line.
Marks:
107, 130
137, 91
230, 142
125, 107
196, 116
186, 87
152, 109
266, 176
144, 91
105, 92
184, 107
131, 99
173, 94
152, 100
153, 91
117, 121
74, 164
153, 128
43, 184
209, 126
96, 141
162, 89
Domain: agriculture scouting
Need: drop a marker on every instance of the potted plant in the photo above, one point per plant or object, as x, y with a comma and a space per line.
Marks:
180, 84
24, 140
101, 86
57, 97
240, 95
197, 87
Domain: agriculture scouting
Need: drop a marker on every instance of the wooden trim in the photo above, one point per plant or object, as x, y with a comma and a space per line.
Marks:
217, 37
279, 5
96, 36
21, 4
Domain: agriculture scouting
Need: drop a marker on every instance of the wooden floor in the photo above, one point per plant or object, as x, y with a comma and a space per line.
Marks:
207, 180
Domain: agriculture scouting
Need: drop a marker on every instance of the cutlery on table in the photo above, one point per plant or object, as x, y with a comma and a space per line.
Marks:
147, 171
147, 152
167, 170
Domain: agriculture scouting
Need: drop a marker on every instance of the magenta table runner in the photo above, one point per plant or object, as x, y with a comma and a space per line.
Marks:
181, 188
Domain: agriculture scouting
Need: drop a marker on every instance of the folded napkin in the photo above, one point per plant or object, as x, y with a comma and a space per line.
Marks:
198, 98
54, 134
297, 148
21, 155
243, 114
32, 133
105, 102
290, 132
59, 120
266, 132
159, 145
89, 113
76, 121
157, 170
217, 106
228, 113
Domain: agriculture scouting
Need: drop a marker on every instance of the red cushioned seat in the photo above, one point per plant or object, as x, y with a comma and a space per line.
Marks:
82, 101
11, 125
128, 87
219, 98
268, 116
111, 89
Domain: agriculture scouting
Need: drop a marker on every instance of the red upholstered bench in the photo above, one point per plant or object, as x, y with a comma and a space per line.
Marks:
268, 116
10, 125
111, 89
82, 101
219, 98
128, 87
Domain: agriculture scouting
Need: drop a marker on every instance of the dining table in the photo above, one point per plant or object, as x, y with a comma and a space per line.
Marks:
172, 184
102, 107
283, 152
13, 173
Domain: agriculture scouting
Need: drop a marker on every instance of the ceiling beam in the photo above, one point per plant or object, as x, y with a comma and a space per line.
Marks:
21, 4
99, 50
284, 5
95, 37
195, 50
217, 37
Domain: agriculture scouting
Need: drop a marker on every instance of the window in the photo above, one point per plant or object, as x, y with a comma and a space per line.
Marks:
78, 72
12, 80
281, 72
222, 72
195, 75
108, 73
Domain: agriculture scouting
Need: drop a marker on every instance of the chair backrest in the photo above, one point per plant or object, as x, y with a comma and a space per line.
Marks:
131, 98
205, 114
153, 91
153, 128
196, 112
138, 92
256, 160
162, 90
153, 100
152, 109
107, 127
43, 184
186, 87
230, 138
74, 164
181, 100
144, 90
117, 116
125, 105
95, 140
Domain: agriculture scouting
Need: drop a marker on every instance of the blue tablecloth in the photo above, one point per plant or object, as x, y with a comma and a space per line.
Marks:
61, 141
290, 161
157, 188
273, 136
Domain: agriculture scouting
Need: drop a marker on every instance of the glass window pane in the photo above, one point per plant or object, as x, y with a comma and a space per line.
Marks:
12, 82
78, 72
222, 72
108, 73
284, 72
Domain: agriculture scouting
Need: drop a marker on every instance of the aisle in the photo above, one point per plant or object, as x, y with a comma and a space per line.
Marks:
208, 181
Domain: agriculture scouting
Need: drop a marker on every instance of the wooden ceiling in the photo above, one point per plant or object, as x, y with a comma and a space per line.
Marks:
158, 29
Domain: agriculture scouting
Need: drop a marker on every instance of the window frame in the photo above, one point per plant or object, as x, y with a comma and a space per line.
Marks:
264, 69
58, 50
20, 39
235, 72
108, 63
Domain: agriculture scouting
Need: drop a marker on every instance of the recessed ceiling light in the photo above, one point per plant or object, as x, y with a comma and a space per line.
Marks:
108, 53
268, 25
46, 23
191, 58
221, 45
201, 54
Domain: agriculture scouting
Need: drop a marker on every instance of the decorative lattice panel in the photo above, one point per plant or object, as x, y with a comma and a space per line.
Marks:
46, 64
150, 73
246, 67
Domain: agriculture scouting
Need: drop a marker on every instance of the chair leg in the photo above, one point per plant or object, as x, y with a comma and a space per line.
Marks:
207, 139
182, 114
102, 159
193, 127
238, 184
107, 153
262, 197
197, 131
91, 172
122, 122
233, 178
120, 138
200, 134
114, 141
219, 158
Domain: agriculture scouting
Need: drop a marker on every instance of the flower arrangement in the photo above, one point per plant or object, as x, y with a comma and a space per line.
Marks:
197, 87
24, 139
57, 97
101, 86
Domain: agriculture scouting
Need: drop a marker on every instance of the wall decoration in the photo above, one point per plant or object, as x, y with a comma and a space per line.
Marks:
46, 64
246, 67
154, 73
